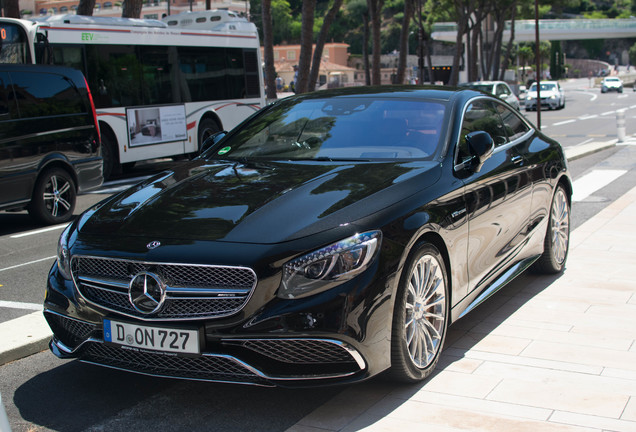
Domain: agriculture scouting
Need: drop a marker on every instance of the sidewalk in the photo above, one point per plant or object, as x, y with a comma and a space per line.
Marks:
544, 354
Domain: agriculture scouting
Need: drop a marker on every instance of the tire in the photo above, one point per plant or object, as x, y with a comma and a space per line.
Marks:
54, 197
420, 316
207, 127
557, 238
112, 167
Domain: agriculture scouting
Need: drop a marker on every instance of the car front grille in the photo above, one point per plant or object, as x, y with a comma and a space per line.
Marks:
207, 367
192, 291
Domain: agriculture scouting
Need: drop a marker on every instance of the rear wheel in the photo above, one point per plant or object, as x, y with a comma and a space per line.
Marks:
54, 197
557, 238
420, 316
112, 167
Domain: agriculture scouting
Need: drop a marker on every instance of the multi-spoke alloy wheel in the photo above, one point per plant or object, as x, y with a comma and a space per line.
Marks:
425, 311
557, 239
560, 226
421, 315
54, 197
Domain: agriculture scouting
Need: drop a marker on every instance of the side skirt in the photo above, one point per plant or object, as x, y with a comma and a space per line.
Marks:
499, 283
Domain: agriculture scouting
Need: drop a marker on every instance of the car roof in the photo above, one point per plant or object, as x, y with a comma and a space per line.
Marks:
441, 93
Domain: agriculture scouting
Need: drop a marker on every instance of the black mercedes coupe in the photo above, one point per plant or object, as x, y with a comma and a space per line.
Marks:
330, 237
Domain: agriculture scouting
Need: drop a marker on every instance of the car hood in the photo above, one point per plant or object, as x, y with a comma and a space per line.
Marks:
256, 203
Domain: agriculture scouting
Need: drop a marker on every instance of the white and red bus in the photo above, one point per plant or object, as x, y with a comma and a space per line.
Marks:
160, 88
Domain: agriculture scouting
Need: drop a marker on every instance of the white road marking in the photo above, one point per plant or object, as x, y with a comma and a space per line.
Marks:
564, 122
27, 263
595, 180
21, 305
586, 141
588, 117
608, 113
40, 231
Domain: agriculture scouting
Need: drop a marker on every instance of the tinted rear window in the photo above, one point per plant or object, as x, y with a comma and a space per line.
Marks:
44, 94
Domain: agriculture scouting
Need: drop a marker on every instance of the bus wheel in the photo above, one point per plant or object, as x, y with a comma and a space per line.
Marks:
54, 197
207, 127
112, 166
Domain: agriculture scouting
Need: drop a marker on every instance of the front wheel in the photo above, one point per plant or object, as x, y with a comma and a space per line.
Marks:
420, 315
557, 238
54, 197
207, 128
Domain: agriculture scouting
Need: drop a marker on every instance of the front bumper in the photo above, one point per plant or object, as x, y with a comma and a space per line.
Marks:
549, 103
317, 340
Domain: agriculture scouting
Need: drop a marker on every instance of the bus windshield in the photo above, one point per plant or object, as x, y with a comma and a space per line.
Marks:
13, 44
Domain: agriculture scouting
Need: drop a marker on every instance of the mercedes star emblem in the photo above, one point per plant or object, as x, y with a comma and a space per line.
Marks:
146, 292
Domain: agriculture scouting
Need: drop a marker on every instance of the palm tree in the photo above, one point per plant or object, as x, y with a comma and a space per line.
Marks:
306, 45
85, 7
268, 49
131, 8
320, 43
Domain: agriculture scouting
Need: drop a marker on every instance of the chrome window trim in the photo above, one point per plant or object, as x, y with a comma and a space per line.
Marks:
458, 166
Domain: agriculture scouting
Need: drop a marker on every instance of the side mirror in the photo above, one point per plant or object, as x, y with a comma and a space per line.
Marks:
212, 140
481, 146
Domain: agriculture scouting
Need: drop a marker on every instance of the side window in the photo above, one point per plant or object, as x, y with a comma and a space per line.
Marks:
481, 115
514, 126
41, 94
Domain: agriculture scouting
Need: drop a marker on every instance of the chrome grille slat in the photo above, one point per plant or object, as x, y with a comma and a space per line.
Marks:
193, 291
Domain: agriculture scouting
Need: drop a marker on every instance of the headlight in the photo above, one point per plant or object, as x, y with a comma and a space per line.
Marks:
553, 97
529, 98
63, 254
330, 266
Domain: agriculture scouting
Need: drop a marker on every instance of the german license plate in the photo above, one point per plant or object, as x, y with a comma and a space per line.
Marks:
184, 341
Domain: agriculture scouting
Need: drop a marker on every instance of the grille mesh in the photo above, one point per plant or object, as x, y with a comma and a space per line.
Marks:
69, 331
110, 279
204, 367
300, 351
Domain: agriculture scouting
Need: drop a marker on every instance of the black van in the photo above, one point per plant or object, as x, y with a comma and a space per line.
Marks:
49, 140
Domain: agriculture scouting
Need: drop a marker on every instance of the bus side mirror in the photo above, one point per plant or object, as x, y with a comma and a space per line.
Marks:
212, 140
481, 146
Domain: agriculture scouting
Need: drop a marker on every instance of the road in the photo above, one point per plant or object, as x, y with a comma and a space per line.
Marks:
44, 393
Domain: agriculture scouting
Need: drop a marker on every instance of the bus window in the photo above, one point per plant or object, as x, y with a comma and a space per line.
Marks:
156, 87
69, 55
14, 47
114, 73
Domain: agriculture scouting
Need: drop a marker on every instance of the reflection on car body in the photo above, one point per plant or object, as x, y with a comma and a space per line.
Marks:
330, 237
501, 89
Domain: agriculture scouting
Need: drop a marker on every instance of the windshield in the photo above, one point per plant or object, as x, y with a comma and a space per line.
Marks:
348, 128
544, 87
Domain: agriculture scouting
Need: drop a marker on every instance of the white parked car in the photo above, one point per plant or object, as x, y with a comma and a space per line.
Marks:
500, 89
611, 84
552, 96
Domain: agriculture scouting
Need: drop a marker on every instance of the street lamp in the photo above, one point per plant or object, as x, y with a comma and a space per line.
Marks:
537, 56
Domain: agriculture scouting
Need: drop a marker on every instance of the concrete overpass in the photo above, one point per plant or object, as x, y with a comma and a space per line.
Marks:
573, 29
